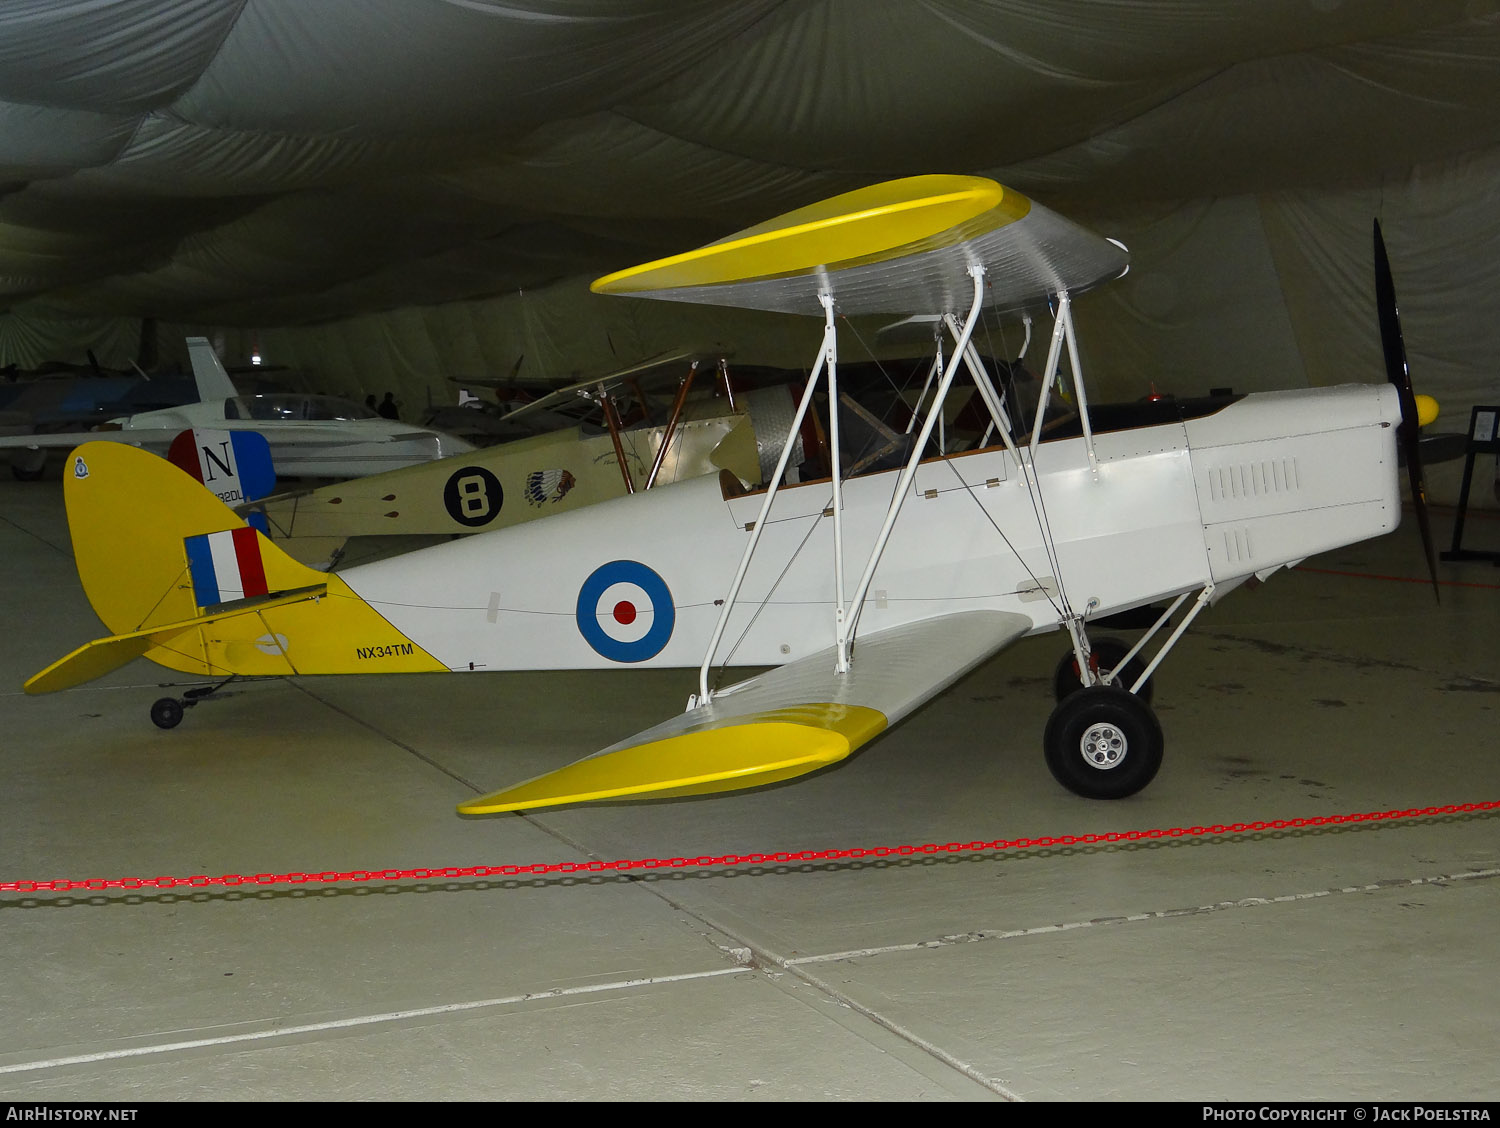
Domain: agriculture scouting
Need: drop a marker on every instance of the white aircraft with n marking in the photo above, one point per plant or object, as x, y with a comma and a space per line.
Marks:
309, 435
922, 572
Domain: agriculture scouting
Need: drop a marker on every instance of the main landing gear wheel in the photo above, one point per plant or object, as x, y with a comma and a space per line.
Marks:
1107, 652
1103, 743
166, 712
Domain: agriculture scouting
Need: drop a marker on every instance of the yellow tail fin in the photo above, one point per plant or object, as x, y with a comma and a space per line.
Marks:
130, 514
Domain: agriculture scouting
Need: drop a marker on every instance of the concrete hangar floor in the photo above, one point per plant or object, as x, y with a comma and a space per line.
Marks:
1334, 962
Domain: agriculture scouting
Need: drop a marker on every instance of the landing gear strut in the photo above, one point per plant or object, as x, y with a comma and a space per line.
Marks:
1105, 661
1102, 740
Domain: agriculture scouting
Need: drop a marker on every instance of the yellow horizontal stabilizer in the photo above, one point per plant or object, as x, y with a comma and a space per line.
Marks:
744, 751
91, 660
95, 659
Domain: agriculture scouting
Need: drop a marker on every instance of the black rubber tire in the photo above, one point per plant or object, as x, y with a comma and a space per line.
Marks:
1065, 681
1096, 724
166, 713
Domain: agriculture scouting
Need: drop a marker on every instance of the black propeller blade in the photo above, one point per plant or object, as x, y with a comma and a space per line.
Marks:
1398, 374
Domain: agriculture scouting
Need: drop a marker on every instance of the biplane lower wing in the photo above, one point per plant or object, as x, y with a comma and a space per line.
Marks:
778, 725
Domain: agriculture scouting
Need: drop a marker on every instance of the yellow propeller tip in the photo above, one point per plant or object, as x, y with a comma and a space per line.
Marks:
1427, 410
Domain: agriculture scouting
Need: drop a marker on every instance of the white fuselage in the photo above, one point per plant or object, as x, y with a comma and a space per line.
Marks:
1169, 508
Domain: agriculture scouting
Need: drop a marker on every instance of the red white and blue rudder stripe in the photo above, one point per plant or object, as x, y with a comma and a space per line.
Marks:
225, 566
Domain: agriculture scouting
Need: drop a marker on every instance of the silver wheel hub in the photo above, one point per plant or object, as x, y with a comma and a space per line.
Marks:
1103, 746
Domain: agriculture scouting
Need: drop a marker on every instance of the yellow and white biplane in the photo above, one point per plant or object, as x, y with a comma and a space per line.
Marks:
868, 592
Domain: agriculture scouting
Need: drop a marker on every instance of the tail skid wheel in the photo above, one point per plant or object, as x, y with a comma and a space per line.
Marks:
1107, 653
166, 712
1103, 742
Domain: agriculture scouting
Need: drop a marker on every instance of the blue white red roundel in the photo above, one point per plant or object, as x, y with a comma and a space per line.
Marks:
625, 611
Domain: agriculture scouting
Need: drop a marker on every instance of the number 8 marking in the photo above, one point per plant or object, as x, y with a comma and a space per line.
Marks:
472, 496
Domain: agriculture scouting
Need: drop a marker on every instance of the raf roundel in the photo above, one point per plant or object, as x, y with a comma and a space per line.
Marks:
625, 611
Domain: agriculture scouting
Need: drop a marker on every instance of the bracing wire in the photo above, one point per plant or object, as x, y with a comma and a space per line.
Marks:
969, 489
765, 602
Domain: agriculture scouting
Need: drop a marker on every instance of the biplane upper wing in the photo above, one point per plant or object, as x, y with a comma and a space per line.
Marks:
891, 248
791, 720
604, 383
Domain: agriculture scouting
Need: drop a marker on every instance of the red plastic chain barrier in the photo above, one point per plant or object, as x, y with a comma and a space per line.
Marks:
725, 860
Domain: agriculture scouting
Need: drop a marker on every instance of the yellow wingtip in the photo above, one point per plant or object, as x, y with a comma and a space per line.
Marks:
872, 223
748, 751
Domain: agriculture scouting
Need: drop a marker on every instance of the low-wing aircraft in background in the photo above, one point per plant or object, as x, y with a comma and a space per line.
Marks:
310, 436
869, 593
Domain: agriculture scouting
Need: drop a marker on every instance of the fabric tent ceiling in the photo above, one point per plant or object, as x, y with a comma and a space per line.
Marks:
377, 185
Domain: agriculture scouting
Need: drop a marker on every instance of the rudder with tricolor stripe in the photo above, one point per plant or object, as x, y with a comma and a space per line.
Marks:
225, 566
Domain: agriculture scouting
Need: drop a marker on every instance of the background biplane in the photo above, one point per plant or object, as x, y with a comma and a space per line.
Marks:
563, 467
868, 593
